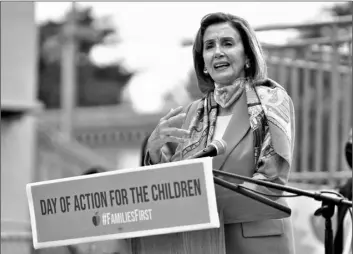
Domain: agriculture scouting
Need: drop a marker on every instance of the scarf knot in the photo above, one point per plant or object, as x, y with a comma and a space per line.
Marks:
227, 95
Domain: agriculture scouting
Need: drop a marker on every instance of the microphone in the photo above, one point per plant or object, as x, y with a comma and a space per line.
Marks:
217, 147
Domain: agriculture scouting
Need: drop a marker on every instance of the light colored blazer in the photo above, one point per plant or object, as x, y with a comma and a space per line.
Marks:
250, 227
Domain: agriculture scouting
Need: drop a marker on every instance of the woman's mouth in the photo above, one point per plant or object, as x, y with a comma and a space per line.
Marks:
220, 66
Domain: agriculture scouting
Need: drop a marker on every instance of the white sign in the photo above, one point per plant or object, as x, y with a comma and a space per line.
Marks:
159, 199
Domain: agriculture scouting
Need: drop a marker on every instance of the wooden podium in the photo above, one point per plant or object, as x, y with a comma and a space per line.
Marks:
209, 241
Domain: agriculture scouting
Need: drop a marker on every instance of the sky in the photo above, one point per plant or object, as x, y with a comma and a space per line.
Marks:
151, 33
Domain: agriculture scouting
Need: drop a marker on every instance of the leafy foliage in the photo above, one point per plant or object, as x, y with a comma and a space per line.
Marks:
341, 9
95, 85
336, 10
192, 86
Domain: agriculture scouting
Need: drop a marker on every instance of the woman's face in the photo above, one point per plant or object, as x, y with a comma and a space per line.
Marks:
223, 53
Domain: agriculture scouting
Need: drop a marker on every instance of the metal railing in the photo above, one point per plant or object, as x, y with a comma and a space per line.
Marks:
317, 73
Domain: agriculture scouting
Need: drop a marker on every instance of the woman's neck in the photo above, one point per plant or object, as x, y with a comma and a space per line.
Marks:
237, 80
228, 110
226, 96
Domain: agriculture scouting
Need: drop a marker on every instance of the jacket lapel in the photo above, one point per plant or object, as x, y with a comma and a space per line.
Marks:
237, 128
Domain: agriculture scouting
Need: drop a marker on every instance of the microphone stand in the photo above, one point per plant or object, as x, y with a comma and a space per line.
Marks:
252, 195
326, 210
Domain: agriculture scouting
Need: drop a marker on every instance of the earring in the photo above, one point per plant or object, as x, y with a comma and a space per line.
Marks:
247, 65
205, 70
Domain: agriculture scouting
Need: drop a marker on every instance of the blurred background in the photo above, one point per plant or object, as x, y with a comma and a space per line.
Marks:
82, 84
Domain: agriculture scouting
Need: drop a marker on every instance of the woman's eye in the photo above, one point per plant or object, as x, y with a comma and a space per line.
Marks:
208, 46
228, 43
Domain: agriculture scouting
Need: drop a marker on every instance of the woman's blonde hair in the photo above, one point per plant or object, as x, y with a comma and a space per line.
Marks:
252, 49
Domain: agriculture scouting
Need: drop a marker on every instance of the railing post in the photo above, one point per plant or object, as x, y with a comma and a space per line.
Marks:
333, 123
68, 73
319, 116
295, 98
306, 101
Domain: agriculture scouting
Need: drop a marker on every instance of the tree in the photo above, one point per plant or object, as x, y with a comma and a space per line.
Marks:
336, 10
192, 86
341, 9
95, 85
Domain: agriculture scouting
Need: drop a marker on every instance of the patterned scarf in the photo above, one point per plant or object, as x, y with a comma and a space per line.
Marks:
227, 95
268, 107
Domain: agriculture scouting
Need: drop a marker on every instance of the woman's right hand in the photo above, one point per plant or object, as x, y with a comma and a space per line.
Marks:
166, 131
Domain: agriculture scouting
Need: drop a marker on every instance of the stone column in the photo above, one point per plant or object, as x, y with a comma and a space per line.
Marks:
18, 133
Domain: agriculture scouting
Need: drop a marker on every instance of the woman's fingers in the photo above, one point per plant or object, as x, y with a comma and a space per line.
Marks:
174, 121
177, 120
175, 132
172, 112
174, 135
168, 134
156, 145
174, 139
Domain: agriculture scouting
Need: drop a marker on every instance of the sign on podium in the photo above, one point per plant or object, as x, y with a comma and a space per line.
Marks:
129, 203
